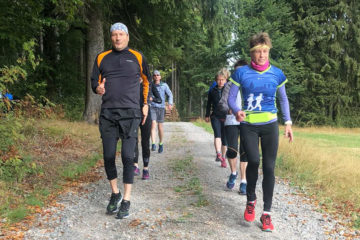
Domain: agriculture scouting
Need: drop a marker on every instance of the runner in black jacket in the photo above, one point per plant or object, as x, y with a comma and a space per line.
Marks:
115, 77
217, 119
145, 129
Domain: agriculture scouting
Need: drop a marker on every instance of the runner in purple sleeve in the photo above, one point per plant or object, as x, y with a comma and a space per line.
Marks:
260, 84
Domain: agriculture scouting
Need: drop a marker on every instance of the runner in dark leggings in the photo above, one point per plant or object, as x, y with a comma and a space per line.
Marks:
120, 116
217, 119
145, 130
260, 84
232, 133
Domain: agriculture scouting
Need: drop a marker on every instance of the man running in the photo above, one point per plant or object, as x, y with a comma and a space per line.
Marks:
115, 77
157, 111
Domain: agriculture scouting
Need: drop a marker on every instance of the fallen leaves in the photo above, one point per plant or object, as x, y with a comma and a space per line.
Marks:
135, 223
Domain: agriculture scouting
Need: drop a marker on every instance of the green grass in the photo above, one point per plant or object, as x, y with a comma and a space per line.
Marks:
17, 214
323, 162
204, 125
331, 139
74, 170
183, 169
182, 166
38, 161
54, 131
34, 200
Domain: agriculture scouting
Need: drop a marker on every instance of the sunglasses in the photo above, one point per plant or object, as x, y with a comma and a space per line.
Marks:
156, 74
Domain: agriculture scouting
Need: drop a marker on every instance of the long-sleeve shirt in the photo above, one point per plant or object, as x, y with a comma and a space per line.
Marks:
122, 70
153, 93
164, 90
214, 97
259, 94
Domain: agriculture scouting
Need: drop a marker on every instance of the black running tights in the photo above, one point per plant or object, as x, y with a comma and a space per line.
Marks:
269, 139
127, 157
145, 141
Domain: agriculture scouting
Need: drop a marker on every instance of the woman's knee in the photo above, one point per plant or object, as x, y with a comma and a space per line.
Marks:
230, 153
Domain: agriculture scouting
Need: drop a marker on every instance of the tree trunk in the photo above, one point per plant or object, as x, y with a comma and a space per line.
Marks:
201, 107
95, 45
172, 77
190, 105
41, 42
177, 86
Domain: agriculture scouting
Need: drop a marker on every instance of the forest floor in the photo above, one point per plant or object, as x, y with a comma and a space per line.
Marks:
185, 198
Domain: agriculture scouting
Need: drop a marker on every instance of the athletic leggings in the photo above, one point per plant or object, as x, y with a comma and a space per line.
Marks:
115, 124
269, 139
219, 129
127, 157
145, 142
232, 133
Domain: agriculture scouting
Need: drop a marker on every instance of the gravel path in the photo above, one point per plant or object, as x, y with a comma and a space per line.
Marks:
159, 212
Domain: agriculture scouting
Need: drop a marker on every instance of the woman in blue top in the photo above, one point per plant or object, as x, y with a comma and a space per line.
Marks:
260, 83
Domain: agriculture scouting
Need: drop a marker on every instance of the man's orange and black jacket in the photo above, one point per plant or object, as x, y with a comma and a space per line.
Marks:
122, 71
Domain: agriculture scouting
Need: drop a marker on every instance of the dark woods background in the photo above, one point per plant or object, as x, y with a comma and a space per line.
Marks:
47, 49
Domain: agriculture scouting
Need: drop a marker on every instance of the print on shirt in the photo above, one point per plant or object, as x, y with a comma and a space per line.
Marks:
251, 99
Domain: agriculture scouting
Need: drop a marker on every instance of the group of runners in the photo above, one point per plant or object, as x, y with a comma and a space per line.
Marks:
256, 85
129, 103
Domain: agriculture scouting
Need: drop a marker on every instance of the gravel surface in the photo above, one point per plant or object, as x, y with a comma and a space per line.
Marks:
159, 212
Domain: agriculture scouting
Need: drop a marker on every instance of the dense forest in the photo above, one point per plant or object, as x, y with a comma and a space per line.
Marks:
48, 48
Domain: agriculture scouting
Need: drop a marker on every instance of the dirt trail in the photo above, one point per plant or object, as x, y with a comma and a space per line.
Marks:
159, 212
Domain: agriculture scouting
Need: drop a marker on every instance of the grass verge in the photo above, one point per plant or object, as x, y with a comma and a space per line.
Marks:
204, 125
51, 154
323, 162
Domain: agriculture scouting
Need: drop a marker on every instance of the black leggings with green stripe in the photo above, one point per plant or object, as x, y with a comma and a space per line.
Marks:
269, 140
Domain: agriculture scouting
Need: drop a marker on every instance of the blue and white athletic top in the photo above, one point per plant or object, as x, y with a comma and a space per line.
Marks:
259, 94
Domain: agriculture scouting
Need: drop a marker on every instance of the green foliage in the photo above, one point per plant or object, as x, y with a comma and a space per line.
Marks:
16, 169
17, 73
327, 39
314, 43
73, 107
10, 128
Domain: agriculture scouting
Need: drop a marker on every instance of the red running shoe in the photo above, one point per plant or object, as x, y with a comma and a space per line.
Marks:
223, 162
249, 213
267, 226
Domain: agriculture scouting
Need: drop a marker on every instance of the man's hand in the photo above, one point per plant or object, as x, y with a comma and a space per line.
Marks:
170, 107
207, 119
289, 133
145, 111
240, 116
101, 88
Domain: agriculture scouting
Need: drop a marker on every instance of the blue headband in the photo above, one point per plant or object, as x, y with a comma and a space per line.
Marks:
119, 26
